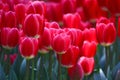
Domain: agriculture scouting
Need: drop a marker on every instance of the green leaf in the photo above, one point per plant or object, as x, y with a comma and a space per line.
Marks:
16, 65
12, 75
2, 74
99, 75
23, 69
42, 70
115, 69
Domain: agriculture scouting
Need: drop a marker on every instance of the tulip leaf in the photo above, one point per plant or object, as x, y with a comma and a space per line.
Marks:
99, 75
2, 74
114, 71
23, 69
16, 65
12, 75
42, 70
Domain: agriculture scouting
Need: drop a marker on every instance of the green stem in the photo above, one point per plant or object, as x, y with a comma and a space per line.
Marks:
8, 64
107, 52
50, 65
27, 69
59, 67
32, 69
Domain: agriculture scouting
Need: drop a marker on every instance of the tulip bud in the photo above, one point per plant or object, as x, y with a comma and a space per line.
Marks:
61, 43
10, 19
47, 38
90, 34
9, 37
106, 33
32, 25
76, 72
89, 49
13, 57
70, 57
28, 47
87, 64
36, 7
20, 12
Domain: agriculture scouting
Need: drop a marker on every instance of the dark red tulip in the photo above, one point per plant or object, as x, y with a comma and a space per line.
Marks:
76, 72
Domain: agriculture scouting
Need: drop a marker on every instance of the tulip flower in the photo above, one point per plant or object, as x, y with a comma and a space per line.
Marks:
70, 57
9, 37
33, 25
89, 49
36, 7
61, 43
28, 47
76, 72
87, 64
106, 33
20, 12
90, 34
10, 19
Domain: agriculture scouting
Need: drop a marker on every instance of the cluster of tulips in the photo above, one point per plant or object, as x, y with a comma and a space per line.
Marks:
70, 30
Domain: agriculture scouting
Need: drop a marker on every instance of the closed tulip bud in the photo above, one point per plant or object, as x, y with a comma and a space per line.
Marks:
12, 58
87, 64
76, 72
89, 49
90, 35
70, 57
20, 12
61, 43
76, 36
106, 33
36, 7
32, 26
47, 38
10, 19
28, 47
68, 6
9, 37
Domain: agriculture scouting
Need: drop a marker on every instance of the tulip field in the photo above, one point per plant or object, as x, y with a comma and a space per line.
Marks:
59, 39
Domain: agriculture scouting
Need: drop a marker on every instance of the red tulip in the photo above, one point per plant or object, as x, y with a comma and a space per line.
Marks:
53, 11
12, 58
87, 64
76, 36
28, 47
68, 6
46, 38
106, 33
33, 25
20, 10
90, 34
36, 7
61, 43
9, 37
10, 19
70, 57
76, 72
71, 20
89, 49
